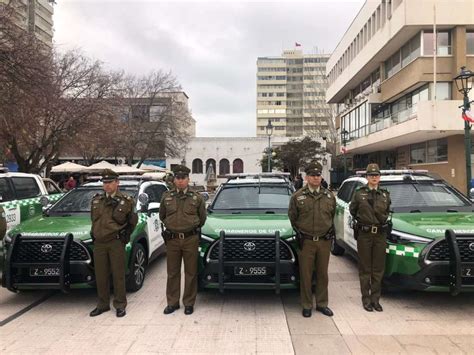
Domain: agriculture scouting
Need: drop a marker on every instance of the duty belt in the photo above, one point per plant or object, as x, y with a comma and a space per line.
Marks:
182, 235
316, 239
372, 228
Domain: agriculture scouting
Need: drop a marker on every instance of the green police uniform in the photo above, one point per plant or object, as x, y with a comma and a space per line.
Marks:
371, 208
113, 220
3, 223
182, 213
311, 213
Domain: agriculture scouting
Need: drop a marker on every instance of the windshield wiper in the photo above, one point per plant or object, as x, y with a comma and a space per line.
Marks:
270, 212
451, 210
415, 211
236, 212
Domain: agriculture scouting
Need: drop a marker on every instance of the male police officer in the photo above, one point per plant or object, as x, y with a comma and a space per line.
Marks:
183, 212
370, 208
113, 220
3, 223
311, 213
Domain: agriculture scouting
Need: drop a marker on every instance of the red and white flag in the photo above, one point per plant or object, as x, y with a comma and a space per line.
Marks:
297, 44
468, 116
344, 150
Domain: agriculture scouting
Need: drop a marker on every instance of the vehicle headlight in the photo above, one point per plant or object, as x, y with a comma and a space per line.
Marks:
398, 236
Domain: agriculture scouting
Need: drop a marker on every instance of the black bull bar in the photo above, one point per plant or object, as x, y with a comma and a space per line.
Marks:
222, 262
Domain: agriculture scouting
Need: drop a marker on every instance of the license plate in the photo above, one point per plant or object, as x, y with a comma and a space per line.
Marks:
251, 270
44, 271
467, 272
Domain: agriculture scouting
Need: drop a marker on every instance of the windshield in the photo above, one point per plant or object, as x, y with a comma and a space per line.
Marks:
253, 197
425, 194
79, 200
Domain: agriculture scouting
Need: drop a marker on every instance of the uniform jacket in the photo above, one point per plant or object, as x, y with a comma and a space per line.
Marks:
112, 214
370, 206
312, 213
3, 223
182, 212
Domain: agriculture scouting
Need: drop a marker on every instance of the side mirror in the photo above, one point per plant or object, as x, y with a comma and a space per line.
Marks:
44, 200
143, 199
205, 195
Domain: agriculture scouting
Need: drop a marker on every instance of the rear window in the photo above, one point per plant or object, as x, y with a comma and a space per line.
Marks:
25, 187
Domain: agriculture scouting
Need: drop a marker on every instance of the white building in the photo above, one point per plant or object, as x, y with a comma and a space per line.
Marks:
227, 155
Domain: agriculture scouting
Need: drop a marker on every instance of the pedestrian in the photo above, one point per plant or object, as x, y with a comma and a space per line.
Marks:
370, 209
183, 212
114, 217
298, 182
3, 223
71, 183
311, 213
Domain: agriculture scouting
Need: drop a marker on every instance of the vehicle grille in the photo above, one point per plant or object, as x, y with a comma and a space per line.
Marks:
29, 251
440, 251
264, 250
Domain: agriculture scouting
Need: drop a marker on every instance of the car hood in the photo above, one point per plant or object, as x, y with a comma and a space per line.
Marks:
247, 224
433, 225
78, 225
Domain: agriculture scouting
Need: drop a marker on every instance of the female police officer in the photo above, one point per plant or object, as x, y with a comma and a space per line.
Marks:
370, 208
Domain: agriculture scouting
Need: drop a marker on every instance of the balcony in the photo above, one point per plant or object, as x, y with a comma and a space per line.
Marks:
424, 121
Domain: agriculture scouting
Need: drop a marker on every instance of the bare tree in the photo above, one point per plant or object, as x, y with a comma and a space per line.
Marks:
155, 118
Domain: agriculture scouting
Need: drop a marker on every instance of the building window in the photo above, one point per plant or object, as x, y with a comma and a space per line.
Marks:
470, 42
443, 43
238, 166
210, 162
197, 166
224, 167
429, 152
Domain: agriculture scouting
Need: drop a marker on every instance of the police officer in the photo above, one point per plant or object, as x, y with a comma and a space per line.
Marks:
370, 208
3, 223
311, 213
183, 212
113, 220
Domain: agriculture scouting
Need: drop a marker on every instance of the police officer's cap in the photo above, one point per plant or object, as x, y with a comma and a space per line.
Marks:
314, 169
109, 175
373, 169
180, 171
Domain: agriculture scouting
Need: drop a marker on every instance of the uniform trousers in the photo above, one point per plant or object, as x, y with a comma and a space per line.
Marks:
371, 248
314, 256
109, 258
187, 250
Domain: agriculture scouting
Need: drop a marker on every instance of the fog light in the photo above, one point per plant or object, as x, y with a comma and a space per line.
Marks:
209, 277
427, 280
88, 278
293, 278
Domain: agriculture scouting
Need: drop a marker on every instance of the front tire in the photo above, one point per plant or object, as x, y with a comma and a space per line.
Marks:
336, 249
138, 264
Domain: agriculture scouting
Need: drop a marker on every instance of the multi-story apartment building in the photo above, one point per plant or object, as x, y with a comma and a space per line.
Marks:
291, 94
35, 16
392, 81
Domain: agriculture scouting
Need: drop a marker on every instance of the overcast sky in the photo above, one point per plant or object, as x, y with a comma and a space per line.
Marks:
211, 47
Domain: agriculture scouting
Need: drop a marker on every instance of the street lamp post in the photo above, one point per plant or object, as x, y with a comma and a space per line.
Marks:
344, 138
269, 131
464, 83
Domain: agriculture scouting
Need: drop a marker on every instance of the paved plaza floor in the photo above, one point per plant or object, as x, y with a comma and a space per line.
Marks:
239, 322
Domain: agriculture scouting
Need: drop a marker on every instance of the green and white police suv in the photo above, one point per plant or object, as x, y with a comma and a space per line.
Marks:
55, 250
20, 195
421, 254
248, 241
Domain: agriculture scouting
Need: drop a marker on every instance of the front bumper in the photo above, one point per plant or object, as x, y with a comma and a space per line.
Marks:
220, 270
24, 255
446, 266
